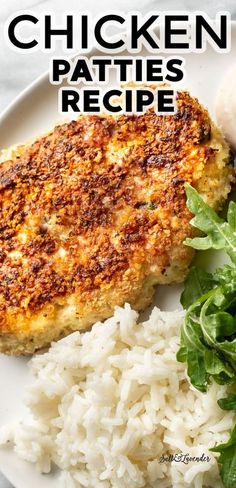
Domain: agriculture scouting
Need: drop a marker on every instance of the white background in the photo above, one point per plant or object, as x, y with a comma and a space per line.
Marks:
18, 70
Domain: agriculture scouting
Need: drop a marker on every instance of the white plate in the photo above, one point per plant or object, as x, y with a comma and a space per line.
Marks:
32, 113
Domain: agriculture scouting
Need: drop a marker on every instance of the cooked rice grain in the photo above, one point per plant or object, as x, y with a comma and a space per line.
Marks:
107, 404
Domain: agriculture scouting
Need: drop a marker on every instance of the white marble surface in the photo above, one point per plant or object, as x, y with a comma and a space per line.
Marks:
18, 70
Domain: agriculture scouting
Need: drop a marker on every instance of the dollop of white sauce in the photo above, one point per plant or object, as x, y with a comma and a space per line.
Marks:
226, 107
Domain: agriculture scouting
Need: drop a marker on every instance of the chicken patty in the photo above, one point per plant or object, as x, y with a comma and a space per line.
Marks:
94, 215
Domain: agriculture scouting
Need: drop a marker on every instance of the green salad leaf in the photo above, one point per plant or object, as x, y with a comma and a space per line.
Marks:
228, 403
227, 460
198, 282
219, 234
208, 334
208, 339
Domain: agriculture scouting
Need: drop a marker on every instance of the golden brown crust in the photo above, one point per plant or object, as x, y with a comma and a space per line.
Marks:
98, 205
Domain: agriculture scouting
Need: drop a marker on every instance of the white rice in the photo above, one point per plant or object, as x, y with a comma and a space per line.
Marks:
107, 404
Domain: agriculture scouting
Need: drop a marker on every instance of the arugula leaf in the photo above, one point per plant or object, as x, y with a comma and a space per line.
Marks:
228, 403
182, 354
219, 369
191, 333
208, 340
208, 334
217, 325
231, 215
192, 350
227, 460
198, 282
196, 370
226, 276
220, 234
221, 324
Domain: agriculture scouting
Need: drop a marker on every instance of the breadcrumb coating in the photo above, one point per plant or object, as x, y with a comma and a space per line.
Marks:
94, 214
